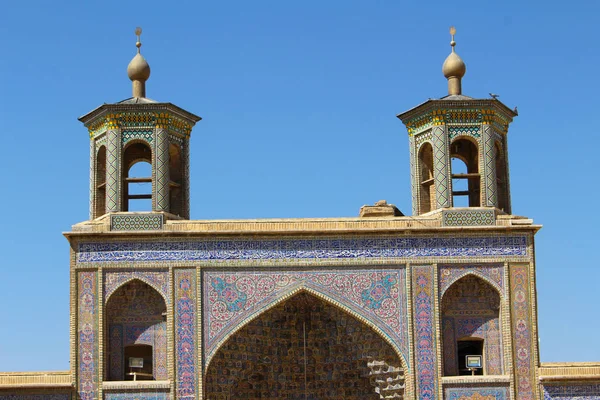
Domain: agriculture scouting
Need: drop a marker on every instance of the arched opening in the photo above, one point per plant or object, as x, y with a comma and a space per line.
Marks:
501, 177
471, 327
175, 180
100, 195
137, 177
137, 333
305, 348
465, 173
427, 199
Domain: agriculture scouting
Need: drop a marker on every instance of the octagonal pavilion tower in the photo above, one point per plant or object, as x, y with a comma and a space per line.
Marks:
139, 156
458, 151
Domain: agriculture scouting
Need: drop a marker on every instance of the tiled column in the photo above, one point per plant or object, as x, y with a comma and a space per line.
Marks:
426, 363
87, 335
161, 171
186, 358
414, 177
489, 184
113, 171
524, 359
441, 167
93, 179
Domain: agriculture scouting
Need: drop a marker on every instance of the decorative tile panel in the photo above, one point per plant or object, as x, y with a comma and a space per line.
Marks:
424, 335
468, 130
572, 391
304, 249
113, 171
145, 135
489, 168
522, 324
492, 273
136, 222
185, 334
143, 394
441, 168
87, 335
161, 167
480, 393
468, 217
414, 186
232, 298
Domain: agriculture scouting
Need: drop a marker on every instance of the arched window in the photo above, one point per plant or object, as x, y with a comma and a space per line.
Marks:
137, 178
471, 327
427, 191
465, 173
100, 195
137, 334
175, 180
501, 178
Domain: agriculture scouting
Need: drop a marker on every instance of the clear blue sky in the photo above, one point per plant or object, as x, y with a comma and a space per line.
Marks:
299, 102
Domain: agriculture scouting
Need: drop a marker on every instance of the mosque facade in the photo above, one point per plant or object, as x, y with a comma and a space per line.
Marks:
437, 305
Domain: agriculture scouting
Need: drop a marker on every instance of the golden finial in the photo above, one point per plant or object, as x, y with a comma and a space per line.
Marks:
454, 68
138, 69
138, 33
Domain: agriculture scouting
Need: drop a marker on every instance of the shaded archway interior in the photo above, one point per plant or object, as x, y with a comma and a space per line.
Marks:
136, 322
471, 324
305, 348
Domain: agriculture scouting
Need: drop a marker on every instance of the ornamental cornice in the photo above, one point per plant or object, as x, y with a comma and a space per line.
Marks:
140, 120
439, 112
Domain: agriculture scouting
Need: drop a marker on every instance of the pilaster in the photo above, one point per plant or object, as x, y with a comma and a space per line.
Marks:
161, 170
489, 185
441, 167
113, 171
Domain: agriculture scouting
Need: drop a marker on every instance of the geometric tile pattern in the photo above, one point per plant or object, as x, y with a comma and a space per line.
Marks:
185, 328
138, 395
161, 166
113, 171
468, 217
92, 178
524, 360
441, 176
471, 131
414, 187
302, 249
489, 166
232, 298
479, 393
87, 335
141, 135
424, 335
185, 168
136, 222
157, 279
491, 273
569, 391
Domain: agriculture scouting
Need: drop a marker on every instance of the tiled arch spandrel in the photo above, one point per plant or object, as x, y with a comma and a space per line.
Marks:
232, 298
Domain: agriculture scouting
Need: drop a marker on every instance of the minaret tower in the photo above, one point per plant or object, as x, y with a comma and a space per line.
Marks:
139, 152
458, 147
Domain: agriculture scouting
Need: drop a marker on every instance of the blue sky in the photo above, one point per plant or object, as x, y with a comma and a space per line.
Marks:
299, 102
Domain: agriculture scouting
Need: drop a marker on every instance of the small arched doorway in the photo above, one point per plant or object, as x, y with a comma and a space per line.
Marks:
305, 348
471, 326
137, 334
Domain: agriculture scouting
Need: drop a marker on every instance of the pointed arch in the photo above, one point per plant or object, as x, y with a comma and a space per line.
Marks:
266, 359
135, 327
100, 183
476, 274
136, 151
470, 318
426, 180
162, 291
466, 149
315, 291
